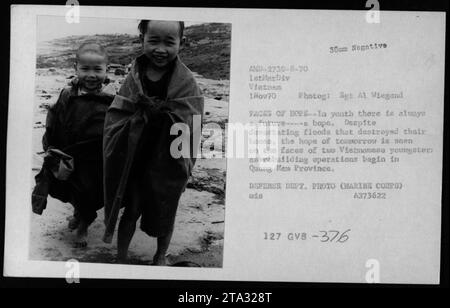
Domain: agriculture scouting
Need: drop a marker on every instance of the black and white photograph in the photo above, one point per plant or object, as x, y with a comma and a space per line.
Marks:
107, 187
191, 144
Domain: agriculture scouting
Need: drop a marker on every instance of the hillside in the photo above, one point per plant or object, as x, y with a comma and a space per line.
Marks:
207, 49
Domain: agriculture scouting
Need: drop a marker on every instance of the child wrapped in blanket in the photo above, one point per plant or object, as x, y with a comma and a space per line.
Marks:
142, 174
73, 164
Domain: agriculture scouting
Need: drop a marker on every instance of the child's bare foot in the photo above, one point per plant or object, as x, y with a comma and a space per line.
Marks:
74, 222
121, 259
159, 259
80, 242
81, 236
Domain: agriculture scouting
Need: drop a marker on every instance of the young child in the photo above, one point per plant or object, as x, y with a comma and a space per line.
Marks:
140, 172
74, 133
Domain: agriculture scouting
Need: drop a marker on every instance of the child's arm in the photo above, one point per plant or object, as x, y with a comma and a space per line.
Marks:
49, 139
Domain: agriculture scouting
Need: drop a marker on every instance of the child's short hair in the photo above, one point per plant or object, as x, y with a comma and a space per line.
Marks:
143, 24
91, 47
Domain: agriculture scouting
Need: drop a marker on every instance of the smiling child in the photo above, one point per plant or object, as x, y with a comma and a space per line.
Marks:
141, 174
74, 129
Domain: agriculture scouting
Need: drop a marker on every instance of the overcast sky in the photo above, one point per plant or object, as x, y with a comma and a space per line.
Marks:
52, 27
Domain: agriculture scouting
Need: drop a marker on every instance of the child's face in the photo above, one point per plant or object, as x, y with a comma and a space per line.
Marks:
91, 70
161, 42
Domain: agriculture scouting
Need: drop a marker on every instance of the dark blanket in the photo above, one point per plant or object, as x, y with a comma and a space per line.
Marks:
74, 126
56, 169
136, 149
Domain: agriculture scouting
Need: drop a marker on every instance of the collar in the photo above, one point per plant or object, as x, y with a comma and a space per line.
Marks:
81, 92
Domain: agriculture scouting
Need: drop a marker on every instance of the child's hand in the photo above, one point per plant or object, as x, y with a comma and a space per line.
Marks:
109, 89
148, 107
73, 82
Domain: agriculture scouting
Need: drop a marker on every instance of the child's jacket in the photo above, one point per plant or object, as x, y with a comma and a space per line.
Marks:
137, 140
74, 129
